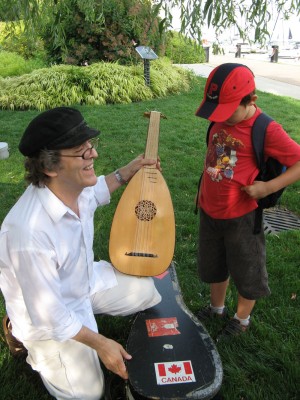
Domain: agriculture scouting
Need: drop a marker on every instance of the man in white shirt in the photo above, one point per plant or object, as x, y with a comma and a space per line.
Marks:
51, 284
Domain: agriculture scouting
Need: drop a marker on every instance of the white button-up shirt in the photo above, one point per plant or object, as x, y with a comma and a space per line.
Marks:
47, 264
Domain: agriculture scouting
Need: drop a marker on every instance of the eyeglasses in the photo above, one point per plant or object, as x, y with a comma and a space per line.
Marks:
87, 154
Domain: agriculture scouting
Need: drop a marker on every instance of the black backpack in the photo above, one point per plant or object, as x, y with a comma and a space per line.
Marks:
269, 169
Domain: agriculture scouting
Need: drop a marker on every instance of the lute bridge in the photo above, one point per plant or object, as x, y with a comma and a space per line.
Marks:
137, 254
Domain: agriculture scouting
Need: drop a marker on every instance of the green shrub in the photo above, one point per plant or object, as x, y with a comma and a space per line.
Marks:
164, 78
12, 64
99, 83
108, 36
182, 50
16, 41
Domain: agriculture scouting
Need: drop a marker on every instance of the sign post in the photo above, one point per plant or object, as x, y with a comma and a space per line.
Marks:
147, 54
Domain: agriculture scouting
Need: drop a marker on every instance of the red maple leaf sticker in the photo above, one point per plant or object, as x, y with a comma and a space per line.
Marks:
174, 369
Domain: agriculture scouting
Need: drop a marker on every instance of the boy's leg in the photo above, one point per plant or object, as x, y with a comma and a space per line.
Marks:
218, 293
241, 320
246, 258
244, 307
212, 266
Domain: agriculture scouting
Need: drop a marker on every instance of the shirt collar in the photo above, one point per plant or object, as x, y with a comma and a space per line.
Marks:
54, 207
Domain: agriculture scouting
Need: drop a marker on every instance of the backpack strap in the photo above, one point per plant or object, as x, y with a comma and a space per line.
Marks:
208, 132
258, 138
258, 141
199, 182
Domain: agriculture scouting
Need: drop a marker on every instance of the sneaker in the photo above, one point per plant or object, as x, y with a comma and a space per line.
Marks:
15, 346
233, 328
206, 313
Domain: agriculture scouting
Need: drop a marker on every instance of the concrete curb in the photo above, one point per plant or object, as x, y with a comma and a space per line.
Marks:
282, 78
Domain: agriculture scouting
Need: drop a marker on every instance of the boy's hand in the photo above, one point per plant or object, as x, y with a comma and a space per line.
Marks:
258, 190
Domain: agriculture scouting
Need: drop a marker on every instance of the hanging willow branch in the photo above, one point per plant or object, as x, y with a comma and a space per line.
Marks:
221, 14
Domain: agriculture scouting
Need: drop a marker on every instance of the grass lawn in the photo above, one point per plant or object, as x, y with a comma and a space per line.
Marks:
262, 365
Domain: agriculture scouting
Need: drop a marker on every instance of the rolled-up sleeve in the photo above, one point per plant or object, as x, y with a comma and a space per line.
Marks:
101, 191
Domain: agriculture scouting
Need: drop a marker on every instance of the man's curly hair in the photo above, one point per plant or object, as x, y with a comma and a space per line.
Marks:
35, 167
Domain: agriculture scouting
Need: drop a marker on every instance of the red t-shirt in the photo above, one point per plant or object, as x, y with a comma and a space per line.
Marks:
230, 164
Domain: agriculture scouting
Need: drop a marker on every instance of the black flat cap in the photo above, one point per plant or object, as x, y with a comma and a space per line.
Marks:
59, 128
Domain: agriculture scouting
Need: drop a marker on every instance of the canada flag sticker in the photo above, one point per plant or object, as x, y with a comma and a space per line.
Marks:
170, 373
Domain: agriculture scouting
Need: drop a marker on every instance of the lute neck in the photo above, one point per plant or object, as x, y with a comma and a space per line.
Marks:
153, 136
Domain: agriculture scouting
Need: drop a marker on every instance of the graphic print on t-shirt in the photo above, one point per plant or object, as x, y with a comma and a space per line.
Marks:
222, 156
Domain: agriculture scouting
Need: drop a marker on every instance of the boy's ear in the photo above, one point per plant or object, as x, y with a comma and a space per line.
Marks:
253, 99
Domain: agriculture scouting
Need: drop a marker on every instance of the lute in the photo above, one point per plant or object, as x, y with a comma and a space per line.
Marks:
142, 237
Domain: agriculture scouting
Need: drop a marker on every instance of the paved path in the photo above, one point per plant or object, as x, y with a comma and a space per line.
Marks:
282, 78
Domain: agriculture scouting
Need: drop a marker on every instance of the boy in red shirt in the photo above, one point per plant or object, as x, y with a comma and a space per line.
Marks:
229, 193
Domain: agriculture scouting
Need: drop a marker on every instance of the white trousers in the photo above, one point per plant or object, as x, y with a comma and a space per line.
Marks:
71, 370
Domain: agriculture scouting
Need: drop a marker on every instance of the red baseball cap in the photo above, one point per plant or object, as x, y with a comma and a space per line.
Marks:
226, 85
